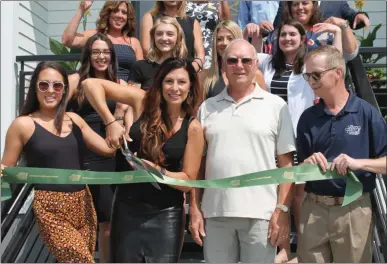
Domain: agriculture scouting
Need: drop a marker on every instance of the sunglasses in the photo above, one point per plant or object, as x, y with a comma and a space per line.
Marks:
44, 86
316, 76
234, 61
97, 53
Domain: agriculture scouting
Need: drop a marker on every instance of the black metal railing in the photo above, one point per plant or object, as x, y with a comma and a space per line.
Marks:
364, 89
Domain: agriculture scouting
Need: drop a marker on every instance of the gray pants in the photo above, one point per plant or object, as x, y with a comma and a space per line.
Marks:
232, 239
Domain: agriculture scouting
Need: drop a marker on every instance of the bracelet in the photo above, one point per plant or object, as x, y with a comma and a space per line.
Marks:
200, 69
111, 122
199, 64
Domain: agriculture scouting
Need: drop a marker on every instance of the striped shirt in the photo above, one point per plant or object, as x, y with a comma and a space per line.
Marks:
279, 83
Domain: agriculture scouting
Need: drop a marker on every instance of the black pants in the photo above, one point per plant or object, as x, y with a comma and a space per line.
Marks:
141, 232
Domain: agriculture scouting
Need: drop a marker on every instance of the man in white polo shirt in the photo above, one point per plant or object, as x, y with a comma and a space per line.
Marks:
245, 128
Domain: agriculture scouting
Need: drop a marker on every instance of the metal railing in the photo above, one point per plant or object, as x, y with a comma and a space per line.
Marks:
364, 90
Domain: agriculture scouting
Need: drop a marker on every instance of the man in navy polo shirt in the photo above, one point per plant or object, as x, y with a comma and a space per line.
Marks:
350, 133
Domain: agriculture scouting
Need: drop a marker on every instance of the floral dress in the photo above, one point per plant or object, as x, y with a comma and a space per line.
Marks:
207, 15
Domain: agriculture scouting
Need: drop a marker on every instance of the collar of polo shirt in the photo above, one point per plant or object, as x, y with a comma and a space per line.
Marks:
352, 106
258, 93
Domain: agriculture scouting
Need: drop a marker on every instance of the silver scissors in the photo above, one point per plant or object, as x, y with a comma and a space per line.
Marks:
138, 164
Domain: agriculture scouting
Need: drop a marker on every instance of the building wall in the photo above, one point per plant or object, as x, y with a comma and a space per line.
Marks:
377, 13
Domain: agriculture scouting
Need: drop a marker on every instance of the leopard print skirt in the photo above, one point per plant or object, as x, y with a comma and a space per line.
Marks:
67, 223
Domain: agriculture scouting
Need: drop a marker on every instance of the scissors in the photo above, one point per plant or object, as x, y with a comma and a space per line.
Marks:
138, 164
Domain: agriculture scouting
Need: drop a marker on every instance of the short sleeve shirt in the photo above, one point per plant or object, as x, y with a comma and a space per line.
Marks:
242, 138
143, 73
358, 131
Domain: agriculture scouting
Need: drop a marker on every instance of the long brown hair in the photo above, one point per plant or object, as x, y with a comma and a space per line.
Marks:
279, 61
156, 125
32, 103
111, 6
314, 19
87, 71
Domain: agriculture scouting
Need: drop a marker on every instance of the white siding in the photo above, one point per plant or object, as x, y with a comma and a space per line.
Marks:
377, 13
61, 12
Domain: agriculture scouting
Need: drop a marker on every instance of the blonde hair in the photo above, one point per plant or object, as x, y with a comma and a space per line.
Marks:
333, 57
159, 7
179, 51
213, 72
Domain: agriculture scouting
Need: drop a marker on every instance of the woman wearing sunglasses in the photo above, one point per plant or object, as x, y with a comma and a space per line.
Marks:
49, 137
148, 223
98, 60
215, 80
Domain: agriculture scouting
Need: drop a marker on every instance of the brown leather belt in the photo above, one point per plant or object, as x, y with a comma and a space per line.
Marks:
332, 200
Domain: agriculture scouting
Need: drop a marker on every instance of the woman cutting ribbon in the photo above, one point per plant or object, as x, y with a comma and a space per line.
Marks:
167, 137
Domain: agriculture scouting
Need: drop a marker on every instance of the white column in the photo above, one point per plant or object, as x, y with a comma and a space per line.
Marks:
8, 66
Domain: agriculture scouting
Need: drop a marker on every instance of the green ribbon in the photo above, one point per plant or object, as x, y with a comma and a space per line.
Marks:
303, 173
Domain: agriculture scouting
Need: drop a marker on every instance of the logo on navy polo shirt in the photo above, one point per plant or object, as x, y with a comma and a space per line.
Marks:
353, 130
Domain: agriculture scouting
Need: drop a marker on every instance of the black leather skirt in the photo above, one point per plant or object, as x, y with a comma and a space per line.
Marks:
143, 233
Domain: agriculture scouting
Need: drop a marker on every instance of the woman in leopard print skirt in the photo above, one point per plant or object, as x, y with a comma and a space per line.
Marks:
48, 137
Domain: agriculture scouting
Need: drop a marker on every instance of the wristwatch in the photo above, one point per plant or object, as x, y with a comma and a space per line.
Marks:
344, 25
283, 208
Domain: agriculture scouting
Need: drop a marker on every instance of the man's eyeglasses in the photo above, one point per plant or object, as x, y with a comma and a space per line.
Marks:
234, 60
316, 76
44, 86
97, 53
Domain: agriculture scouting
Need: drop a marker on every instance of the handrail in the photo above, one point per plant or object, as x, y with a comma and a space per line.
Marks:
18, 239
63, 57
360, 79
7, 204
373, 50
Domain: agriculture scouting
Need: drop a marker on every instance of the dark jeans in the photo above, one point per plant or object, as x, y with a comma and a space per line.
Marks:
141, 232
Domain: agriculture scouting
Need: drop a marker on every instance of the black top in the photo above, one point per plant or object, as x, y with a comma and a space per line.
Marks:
92, 118
143, 72
219, 85
187, 24
358, 130
173, 150
279, 83
125, 59
46, 150
217, 88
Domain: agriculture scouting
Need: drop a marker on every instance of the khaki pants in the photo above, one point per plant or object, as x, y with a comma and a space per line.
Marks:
335, 233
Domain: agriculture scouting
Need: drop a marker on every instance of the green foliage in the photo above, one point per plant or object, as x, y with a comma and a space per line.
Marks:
59, 49
368, 41
376, 73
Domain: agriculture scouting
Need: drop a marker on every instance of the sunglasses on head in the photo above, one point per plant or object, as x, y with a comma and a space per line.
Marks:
234, 60
44, 86
316, 76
